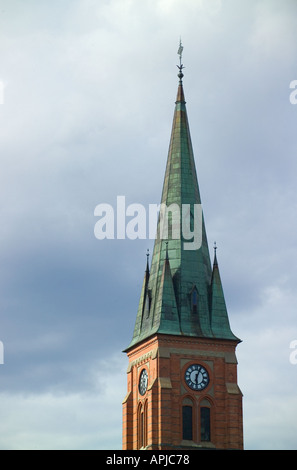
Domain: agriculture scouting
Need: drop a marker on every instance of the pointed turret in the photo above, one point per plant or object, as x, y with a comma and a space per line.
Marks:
218, 311
144, 302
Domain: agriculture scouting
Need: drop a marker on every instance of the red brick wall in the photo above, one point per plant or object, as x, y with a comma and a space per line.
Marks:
166, 358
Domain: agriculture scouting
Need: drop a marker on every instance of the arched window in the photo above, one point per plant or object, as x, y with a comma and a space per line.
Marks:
145, 424
187, 419
205, 423
188, 422
142, 425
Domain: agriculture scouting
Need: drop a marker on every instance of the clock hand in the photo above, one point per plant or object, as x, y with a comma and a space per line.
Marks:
198, 371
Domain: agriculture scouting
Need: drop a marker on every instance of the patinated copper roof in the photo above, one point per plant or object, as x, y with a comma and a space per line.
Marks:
166, 304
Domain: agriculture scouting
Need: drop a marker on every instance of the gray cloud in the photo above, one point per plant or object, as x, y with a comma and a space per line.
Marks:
88, 105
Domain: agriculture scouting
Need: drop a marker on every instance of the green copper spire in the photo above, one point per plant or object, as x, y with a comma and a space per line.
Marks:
178, 295
219, 317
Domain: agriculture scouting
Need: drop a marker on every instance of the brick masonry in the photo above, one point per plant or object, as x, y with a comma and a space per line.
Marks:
166, 358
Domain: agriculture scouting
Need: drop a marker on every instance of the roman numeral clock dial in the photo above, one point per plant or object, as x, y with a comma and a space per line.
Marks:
143, 381
196, 377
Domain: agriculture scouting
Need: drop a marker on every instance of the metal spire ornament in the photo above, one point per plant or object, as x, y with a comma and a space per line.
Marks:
180, 66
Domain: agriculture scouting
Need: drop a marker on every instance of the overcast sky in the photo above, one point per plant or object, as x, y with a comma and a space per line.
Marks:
86, 111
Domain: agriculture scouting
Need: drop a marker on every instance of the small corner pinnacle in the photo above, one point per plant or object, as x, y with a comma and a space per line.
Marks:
215, 262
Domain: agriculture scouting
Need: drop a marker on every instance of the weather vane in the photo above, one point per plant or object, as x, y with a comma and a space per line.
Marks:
180, 53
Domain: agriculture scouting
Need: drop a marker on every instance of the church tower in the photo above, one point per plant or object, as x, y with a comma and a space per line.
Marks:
182, 374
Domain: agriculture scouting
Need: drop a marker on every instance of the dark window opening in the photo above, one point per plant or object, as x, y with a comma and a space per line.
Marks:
147, 303
187, 423
205, 423
194, 301
141, 433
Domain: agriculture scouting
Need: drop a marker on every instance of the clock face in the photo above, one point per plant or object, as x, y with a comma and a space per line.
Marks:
143, 381
196, 377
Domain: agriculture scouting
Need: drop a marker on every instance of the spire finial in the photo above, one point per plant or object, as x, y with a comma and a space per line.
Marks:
215, 262
180, 66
